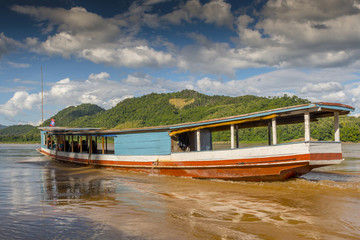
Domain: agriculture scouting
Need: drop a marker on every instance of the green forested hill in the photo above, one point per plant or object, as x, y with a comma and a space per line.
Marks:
19, 133
186, 106
70, 114
16, 130
28, 133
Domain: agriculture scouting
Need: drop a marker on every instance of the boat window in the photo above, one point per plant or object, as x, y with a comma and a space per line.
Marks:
181, 142
103, 145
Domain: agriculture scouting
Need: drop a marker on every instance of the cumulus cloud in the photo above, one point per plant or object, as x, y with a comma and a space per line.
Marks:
8, 45
139, 80
87, 35
214, 58
309, 85
20, 101
313, 34
281, 34
335, 97
321, 87
97, 89
303, 34
133, 57
354, 93
285, 35
215, 11
100, 89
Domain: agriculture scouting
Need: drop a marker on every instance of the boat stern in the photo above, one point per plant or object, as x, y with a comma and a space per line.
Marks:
325, 153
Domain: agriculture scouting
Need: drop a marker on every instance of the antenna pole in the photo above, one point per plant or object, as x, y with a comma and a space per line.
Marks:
42, 100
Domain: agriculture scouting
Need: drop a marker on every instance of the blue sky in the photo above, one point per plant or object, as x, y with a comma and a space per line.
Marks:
103, 52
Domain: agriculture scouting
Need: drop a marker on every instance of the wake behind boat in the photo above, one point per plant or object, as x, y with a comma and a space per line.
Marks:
187, 149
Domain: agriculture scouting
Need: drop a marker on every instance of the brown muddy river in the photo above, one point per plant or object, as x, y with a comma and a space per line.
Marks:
43, 199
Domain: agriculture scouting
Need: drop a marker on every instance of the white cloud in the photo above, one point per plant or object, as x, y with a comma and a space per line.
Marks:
309, 10
354, 93
286, 35
18, 65
281, 34
98, 89
214, 58
303, 34
335, 97
8, 45
321, 87
312, 34
18, 80
20, 101
134, 57
215, 11
87, 35
218, 12
100, 77
313, 85
232, 88
138, 80
190, 9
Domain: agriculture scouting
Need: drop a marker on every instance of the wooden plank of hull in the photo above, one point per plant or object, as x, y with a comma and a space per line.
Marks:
253, 173
268, 173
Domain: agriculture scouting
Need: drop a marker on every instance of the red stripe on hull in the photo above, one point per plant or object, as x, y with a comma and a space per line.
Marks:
325, 156
237, 161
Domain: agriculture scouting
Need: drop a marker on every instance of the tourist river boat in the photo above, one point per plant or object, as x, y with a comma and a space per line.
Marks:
187, 149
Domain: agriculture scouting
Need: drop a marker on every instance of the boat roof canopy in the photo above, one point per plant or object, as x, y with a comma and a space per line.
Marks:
285, 115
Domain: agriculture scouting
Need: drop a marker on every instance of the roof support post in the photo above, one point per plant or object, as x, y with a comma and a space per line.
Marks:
274, 135
57, 139
90, 149
102, 143
72, 143
198, 144
91, 145
269, 133
336, 127
232, 136
81, 145
237, 136
307, 126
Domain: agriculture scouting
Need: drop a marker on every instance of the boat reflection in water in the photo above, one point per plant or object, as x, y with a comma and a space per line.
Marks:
161, 207
64, 189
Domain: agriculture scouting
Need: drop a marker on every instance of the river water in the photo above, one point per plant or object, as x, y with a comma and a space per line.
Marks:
44, 199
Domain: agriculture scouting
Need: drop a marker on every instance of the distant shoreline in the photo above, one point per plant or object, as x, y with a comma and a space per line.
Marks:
20, 142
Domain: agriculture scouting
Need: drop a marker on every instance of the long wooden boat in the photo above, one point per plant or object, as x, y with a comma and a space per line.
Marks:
187, 149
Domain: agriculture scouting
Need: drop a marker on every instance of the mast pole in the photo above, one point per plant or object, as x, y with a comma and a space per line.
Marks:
42, 99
